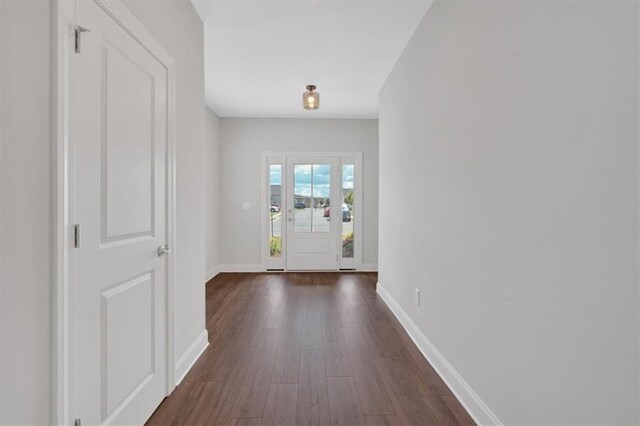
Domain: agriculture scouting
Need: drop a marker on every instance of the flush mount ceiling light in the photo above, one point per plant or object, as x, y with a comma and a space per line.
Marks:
311, 99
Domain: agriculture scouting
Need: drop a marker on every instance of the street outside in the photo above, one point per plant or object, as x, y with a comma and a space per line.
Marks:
303, 219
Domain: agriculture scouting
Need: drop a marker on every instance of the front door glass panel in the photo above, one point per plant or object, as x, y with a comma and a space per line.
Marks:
311, 201
275, 210
347, 214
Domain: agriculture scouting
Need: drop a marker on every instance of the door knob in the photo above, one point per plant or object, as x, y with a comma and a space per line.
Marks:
163, 249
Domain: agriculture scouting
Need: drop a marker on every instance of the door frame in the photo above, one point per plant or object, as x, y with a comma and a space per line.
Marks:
64, 256
265, 205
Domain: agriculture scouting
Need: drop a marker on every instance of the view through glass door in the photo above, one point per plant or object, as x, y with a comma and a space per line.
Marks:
311, 220
312, 212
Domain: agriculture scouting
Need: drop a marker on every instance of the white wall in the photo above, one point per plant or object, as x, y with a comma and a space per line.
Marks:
26, 193
243, 141
177, 26
25, 212
509, 133
212, 190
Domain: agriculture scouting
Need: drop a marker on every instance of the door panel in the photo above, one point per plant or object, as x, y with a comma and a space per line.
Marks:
120, 139
126, 316
127, 138
311, 246
311, 222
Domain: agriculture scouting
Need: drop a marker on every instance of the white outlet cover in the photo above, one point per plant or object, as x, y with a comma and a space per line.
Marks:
246, 206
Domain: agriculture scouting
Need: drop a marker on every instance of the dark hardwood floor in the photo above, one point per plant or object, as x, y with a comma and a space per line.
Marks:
307, 348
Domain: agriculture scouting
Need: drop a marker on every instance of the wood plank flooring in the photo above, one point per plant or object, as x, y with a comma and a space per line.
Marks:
307, 349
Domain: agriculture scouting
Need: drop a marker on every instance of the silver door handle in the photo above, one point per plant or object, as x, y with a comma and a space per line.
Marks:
163, 249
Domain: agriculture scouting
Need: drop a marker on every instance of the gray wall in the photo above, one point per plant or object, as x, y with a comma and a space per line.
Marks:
25, 212
243, 141
509, 133
177, 26
26, 193
212, 189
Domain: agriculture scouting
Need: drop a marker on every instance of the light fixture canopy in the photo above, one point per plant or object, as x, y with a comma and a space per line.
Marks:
311, 98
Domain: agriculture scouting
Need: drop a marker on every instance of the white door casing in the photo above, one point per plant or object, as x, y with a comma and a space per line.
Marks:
121, 127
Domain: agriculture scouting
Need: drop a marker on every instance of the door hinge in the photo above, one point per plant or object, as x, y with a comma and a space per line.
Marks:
77, 422
76, 235
79, 31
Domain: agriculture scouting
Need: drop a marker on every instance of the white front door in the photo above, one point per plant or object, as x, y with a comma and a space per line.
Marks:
119, 114
313, 213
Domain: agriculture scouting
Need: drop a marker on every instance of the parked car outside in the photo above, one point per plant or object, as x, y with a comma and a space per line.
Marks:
300, 205
346, 213
275, 208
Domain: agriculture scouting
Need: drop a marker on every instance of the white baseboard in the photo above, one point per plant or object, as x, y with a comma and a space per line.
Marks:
256, 267
212, 272
240, 267
460, 388
369, 267
192, 354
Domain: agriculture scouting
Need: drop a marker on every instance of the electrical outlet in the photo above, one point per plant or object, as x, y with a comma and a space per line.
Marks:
417, 296
246, 205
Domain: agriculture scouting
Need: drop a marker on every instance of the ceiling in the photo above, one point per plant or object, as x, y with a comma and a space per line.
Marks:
260, 54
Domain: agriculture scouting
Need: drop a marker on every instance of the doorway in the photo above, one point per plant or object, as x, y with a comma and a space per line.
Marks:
312, 211
117, 217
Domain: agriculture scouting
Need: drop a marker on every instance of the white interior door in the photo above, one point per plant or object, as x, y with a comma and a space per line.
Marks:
313, 209
119, 110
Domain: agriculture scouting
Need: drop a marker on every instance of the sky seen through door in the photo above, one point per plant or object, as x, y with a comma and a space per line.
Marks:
321, 177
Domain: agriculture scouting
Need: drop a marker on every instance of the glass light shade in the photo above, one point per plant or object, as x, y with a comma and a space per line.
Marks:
311, 99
